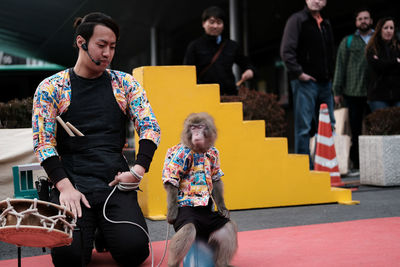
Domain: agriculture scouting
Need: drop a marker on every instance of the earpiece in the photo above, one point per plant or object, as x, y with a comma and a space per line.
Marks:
84, 47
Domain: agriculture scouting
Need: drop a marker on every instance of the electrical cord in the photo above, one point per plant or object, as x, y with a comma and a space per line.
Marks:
130, 187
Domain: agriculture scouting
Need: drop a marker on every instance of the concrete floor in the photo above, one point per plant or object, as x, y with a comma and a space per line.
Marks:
375, 202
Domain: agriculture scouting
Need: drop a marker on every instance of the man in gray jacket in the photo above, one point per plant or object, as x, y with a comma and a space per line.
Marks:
307, 50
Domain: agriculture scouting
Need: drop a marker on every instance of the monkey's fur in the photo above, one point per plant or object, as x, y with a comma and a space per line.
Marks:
223, 240
210, 132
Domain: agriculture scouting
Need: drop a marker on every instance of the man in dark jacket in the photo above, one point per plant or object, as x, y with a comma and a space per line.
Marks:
214, 56
307, 50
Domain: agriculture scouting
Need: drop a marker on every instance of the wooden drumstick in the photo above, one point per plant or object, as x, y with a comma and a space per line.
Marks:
240, 82
76, 131
62, 123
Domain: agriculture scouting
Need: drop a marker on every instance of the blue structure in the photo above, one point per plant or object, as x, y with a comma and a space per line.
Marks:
199, 255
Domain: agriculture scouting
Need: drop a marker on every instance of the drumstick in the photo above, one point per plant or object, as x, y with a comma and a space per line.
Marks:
240, 82
76, 131
60, 121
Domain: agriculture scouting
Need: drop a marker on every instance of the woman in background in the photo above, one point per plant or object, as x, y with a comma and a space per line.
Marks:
383, 56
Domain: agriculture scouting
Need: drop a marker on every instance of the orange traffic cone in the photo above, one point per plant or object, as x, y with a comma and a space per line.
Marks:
325, 155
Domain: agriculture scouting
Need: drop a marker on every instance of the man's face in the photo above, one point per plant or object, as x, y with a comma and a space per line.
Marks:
102, 45
213, 26
316, 5
364, 21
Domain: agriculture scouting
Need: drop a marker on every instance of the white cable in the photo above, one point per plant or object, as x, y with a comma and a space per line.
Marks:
129, 187
166, 245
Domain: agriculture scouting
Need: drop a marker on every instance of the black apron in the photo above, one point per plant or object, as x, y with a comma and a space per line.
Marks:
93, 160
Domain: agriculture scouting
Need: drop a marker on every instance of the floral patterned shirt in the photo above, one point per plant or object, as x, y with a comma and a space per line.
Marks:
53, 97
193, 173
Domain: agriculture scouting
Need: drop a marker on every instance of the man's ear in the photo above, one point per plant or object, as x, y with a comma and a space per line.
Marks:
80, 41
203, 24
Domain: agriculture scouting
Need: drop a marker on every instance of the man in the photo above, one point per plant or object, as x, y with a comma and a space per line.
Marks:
83, 169
213, 55
350, 80
307, 50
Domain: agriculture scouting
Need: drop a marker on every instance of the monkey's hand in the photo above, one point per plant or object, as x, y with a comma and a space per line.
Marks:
218, 195
172, 202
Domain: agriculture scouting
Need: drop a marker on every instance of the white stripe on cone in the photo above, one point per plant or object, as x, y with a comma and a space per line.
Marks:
324, 118
328, 141
326, 162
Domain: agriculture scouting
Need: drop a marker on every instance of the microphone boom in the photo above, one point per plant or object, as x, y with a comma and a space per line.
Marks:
84, 47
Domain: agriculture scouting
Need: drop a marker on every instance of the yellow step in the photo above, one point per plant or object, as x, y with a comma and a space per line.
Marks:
259, 172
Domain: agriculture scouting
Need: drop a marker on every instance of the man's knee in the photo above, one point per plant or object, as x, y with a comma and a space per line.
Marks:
131, 253
131, 258
69, 256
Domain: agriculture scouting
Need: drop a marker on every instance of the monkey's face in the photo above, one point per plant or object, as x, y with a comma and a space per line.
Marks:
199, 132
199, 137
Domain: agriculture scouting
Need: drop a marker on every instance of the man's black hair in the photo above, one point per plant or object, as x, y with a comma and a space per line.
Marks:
85, 26
213, 11
361, 9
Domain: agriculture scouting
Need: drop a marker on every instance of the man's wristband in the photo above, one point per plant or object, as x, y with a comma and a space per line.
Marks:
135, 174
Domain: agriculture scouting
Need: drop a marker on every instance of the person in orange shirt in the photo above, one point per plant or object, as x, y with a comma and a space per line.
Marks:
307, 49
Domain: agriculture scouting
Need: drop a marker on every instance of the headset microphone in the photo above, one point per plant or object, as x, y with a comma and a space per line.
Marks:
84, 47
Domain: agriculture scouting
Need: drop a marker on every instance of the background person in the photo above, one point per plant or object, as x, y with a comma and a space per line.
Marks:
214, 56
307, 48
350, 79
383, 56
83, 169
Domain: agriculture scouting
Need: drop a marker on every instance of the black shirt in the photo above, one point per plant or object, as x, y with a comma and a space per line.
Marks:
92, 104
200, 53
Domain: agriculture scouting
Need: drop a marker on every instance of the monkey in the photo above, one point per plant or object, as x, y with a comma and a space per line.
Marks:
192, 180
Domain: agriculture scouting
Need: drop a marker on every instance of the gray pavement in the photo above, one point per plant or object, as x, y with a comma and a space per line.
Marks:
375, 202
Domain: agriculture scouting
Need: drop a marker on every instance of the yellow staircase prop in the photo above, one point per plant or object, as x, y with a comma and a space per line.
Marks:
259, 172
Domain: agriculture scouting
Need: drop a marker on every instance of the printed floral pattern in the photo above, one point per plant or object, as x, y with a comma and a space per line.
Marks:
193, 173
53, 96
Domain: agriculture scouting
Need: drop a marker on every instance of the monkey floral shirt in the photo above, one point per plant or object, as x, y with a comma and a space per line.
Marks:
193, 173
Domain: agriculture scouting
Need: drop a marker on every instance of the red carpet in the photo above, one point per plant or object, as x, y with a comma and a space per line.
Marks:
372, 242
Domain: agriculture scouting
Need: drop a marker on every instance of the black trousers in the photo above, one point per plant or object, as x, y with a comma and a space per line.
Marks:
358, 109
128, 244
204, 219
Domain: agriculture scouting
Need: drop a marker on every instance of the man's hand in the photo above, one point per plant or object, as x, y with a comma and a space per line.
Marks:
127, 177
248, 74
71, 198
305, 77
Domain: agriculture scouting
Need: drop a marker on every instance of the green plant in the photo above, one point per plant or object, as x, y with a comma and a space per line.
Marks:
16, 113
382, 122
261, 106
